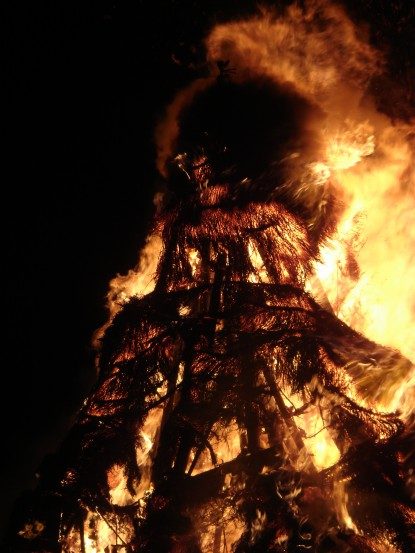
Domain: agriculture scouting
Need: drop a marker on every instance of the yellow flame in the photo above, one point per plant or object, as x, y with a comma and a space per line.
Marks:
137, 282
366, 268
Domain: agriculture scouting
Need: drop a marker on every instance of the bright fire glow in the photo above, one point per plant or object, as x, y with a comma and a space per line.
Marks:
366, 267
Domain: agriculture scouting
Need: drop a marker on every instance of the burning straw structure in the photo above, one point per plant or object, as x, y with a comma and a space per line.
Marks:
212, 387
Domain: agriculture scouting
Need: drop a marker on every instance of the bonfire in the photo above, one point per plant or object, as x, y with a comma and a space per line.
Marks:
244, 402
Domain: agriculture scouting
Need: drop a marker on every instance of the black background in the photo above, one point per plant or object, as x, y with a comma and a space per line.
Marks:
86, 82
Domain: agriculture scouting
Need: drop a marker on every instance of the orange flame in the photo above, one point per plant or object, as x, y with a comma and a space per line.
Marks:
367, 267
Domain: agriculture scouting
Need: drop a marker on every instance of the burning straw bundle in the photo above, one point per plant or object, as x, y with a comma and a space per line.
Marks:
192, 439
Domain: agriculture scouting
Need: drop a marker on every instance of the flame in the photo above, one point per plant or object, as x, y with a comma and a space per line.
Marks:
366, 268
340, 496
194, 261
318, 440
32, 529
117, 483
149, 436
220, 536
137, 282
260, 274
226, 445
99, 535
377, 229
345, 149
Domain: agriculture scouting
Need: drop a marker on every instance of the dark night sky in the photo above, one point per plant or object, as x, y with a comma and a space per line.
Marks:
86, 81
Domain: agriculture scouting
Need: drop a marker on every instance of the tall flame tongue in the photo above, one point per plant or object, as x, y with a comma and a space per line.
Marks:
366, 268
